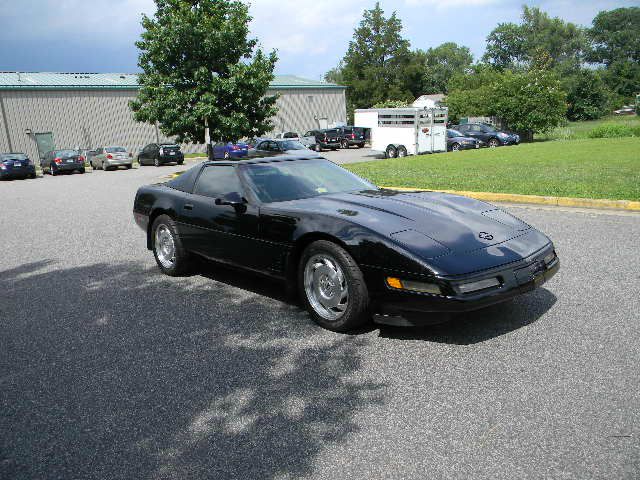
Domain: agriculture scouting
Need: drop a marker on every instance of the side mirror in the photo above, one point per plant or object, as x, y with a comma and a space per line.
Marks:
233, 199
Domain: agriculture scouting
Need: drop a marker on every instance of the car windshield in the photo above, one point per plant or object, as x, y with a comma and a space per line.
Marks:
292, 145
283, 181
115, 150
66, 153
454, 133
13, 156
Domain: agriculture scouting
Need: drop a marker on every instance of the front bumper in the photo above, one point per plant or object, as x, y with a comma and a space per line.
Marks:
404, 308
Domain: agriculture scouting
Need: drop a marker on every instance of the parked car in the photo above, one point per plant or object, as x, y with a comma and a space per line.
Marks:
227, 150
625, 110
327, 139
160, 154
279, 146
348, 247
457, 141
287, 135
16, 165
87, 154
107, 158
59, 161
488, 134
351, 136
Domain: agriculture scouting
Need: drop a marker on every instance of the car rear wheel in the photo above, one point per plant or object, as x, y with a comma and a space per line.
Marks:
168, 250
317, 148
81, 170
391, 152
402, 151
52, 170
129, 166
104, 166
455, 147
344, 144
493, 143
333, 288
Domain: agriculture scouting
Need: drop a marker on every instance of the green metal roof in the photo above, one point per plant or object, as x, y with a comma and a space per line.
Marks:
73, 81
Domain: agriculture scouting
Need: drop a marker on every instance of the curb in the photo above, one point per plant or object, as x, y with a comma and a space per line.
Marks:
538, 200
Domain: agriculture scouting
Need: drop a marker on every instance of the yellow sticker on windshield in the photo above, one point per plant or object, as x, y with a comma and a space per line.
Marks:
321, 190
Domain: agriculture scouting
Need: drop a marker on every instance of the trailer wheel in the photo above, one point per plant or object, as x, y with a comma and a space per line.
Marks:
402, 151
391, 152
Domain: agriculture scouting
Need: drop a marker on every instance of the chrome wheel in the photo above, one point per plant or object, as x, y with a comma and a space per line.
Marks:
165, 246
455, 147
326, 287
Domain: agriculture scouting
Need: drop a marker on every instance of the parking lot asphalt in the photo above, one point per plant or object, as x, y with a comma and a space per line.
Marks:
109, 369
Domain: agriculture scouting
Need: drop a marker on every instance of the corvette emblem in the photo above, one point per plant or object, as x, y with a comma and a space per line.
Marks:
485, 236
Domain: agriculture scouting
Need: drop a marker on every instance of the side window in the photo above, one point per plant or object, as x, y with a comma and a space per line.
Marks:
217, 181
273, 146
262, 146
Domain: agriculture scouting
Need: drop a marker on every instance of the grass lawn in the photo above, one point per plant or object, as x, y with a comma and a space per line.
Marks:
194, 155
578, 130
589, 168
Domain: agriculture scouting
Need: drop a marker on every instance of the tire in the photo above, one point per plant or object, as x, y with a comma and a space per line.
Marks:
344, 144
156, 162
327, 272
52, 170
391, 152
317, 147
81, 170
455, 147
402, 151
32, 175
494, 142
129, 166
226, 155
170, 255
181, 162
104, 166
361, 145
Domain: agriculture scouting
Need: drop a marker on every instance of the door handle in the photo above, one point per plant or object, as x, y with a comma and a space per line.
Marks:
188, 206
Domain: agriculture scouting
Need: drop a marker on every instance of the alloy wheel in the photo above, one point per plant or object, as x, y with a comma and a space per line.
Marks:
165, 246
325, 286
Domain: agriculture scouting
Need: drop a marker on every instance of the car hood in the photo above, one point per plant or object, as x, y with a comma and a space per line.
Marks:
429, 224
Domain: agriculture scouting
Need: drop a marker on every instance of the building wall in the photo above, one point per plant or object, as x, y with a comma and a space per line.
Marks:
91, 118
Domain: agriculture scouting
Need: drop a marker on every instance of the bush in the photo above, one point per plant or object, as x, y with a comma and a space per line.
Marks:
610, 130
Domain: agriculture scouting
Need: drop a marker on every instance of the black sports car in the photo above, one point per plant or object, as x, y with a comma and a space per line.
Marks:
351, 249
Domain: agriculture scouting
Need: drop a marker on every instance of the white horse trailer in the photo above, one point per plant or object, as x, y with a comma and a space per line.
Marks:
398, 132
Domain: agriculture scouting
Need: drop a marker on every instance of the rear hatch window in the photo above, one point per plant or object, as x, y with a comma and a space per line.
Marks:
171, 147
66, 153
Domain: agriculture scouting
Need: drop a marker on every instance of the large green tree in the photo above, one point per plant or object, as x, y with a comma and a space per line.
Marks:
538, 39
198, 65
442, 63
528, 101
615, 37
375, 61
588, 97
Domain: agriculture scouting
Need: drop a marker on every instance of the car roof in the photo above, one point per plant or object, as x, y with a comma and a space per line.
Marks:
274, 159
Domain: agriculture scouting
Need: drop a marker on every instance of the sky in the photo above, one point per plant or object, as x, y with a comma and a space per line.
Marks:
310, 36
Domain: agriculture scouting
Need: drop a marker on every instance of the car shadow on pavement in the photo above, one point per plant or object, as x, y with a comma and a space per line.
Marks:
115, 371
481, 325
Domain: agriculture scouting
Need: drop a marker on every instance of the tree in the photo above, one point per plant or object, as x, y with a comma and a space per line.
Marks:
529, 102
511, 45
587, 95
199, 66
442, 63
616, 44
616, 36
375, 61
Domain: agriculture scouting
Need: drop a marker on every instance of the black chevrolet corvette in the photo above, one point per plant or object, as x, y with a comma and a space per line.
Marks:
352, 250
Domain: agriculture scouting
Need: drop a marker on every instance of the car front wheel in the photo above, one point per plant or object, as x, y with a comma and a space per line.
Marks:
455, 147
168, 250
333, 288
494, 142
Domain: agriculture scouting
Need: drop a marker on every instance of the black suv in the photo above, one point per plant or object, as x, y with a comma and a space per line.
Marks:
351, 136
327, 138
487, 134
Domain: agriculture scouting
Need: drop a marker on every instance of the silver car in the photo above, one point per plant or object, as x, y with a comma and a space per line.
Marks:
107, 158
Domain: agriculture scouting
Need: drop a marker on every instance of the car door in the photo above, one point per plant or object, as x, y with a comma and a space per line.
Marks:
221, 232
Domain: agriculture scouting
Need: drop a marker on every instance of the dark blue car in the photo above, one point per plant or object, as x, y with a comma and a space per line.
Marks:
16, 165
223, 150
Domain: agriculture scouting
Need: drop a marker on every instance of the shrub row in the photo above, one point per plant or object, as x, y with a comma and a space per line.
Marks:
611, 130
